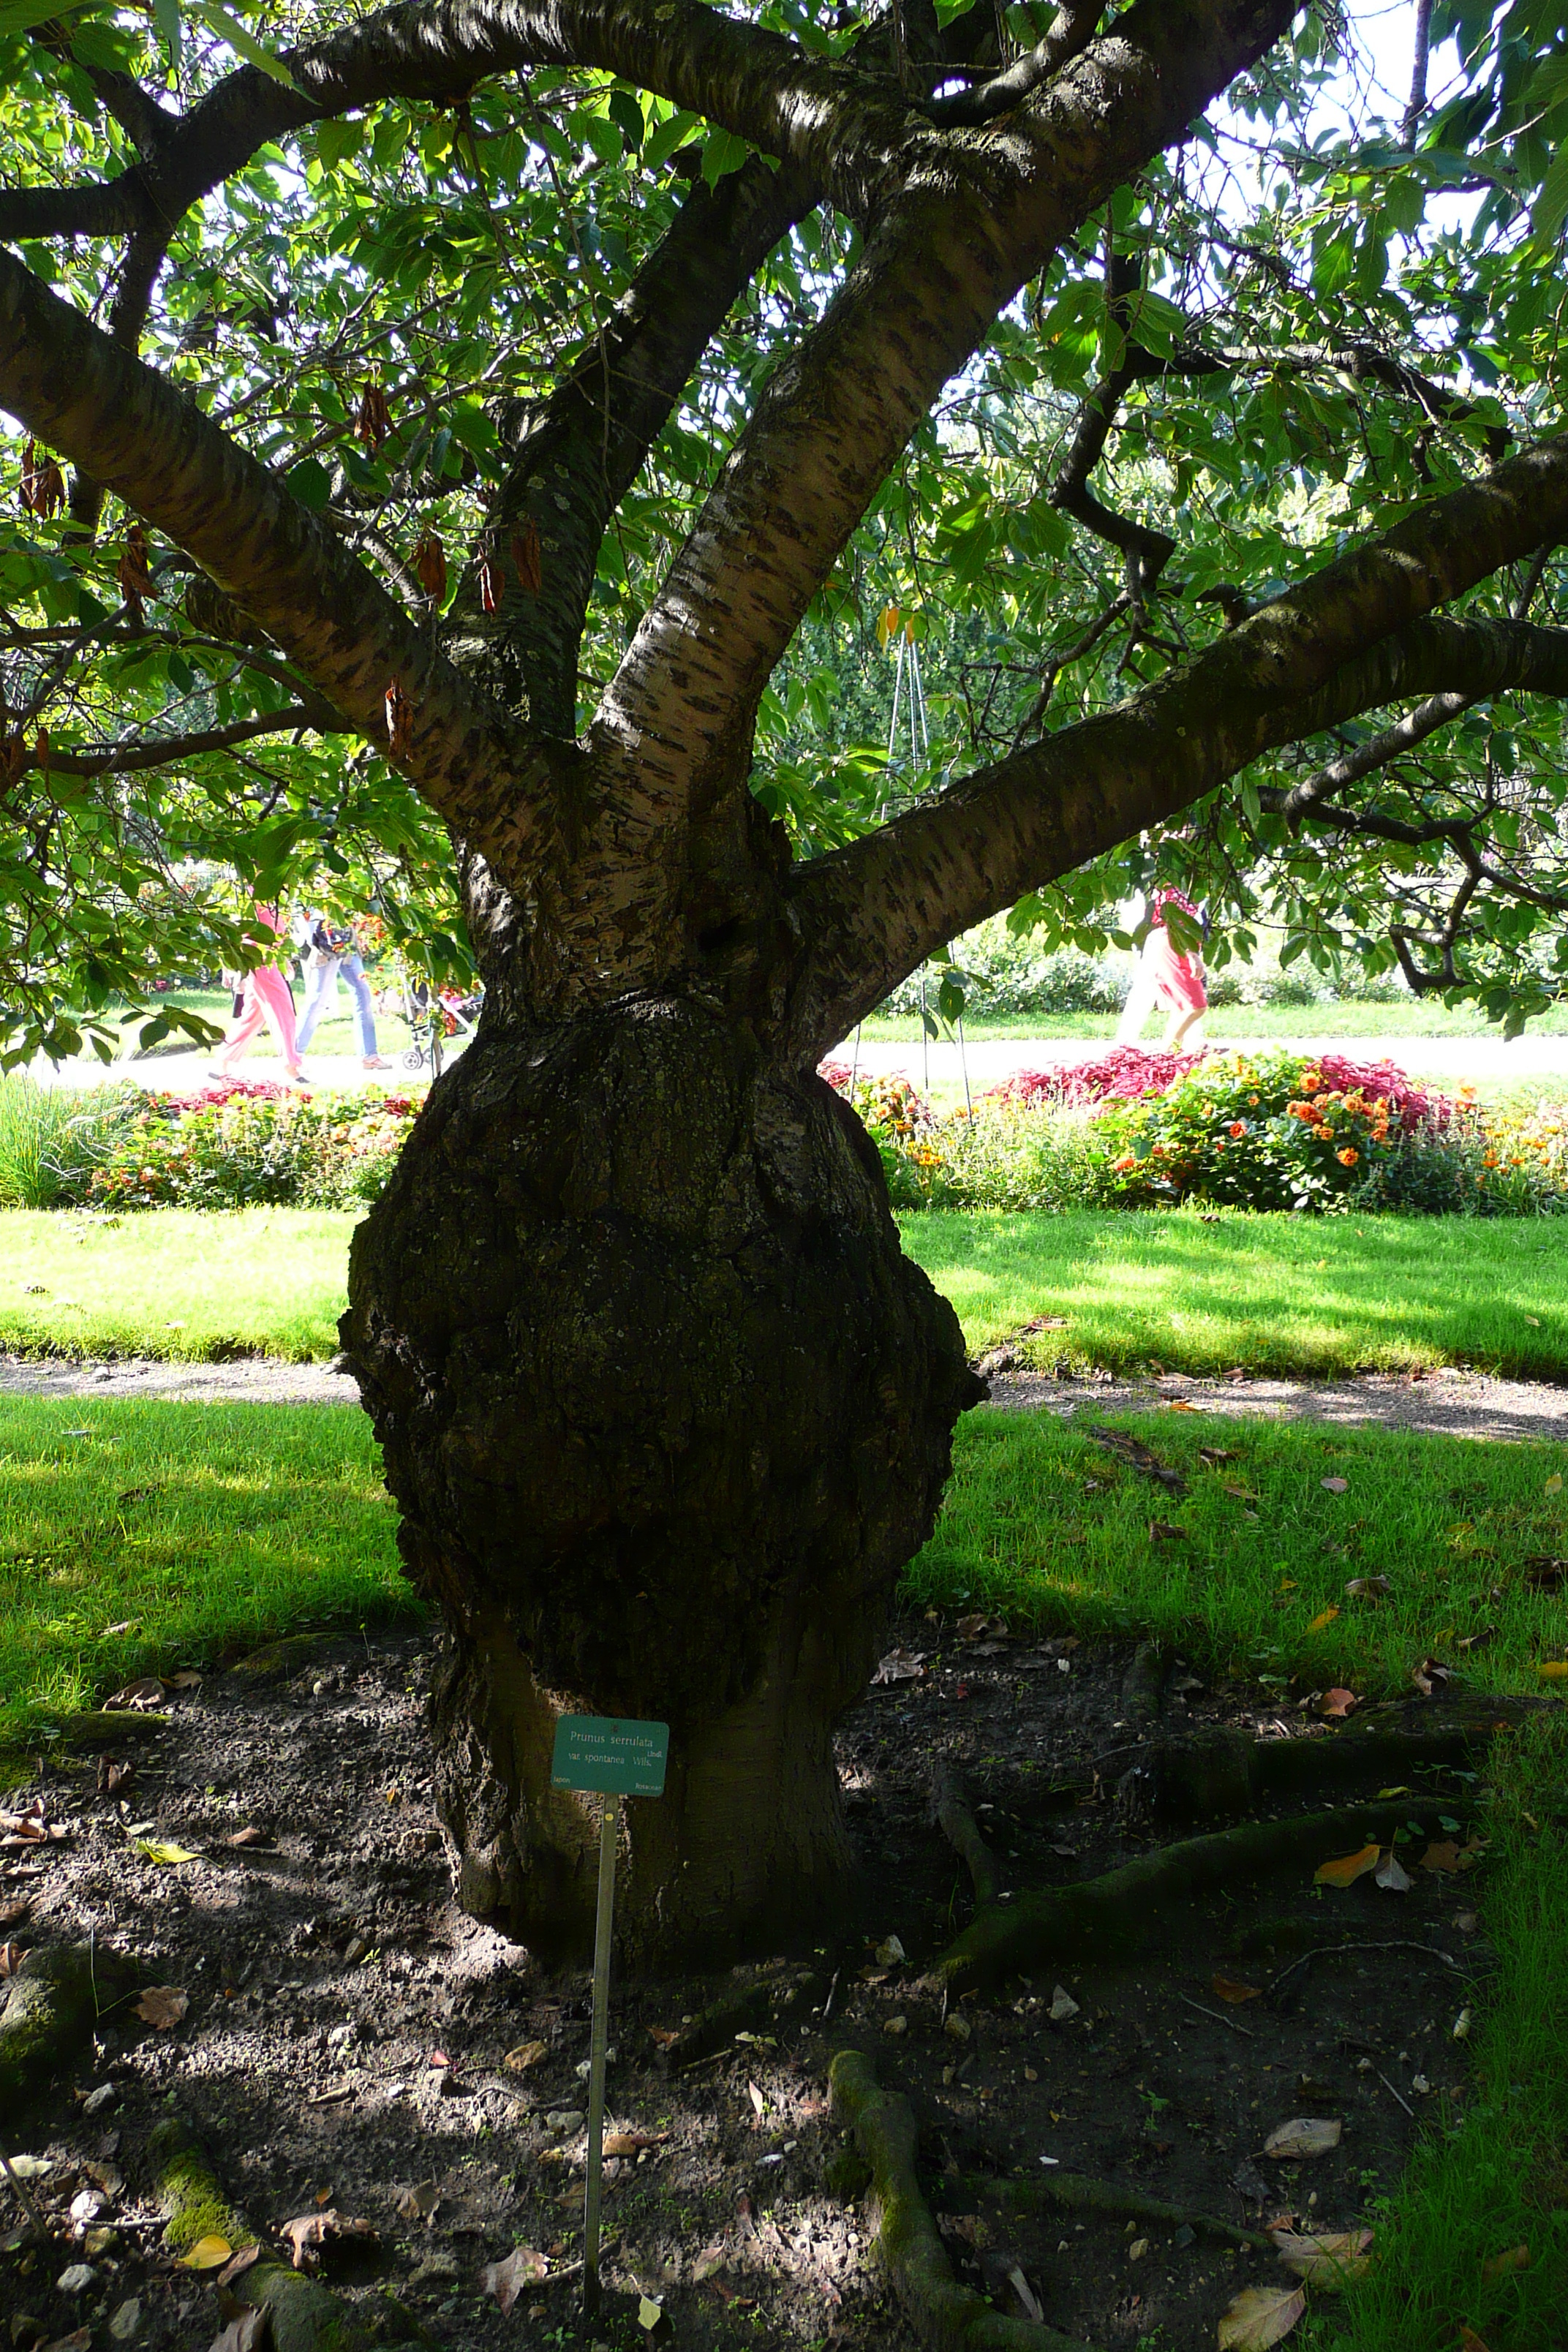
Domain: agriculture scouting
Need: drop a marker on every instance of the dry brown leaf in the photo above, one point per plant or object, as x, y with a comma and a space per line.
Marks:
1259, 2316
758, 2101
1164, 1531
1469, 2341
417, 2204
1335, 1485
1214, 1454
1346, 1868
1303, 2135
249, 1836
1516, 2259
1229, 1989
1324, 2257
666, 2036
162, 2006
1444, 1854
1335, 1705
1324, 1617
901, 1665
11, 1958
186, 1679
309, 2234
242, 2260
506, 2280
247, 2331
1430, 1676
112, 1776
526, 2054
1369, 1588
632, 2143
1392, 1874
137, 1697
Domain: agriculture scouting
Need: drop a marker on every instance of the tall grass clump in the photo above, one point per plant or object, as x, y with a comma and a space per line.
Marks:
51, 1139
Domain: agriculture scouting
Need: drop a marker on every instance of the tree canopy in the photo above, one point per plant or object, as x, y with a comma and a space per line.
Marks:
355, 357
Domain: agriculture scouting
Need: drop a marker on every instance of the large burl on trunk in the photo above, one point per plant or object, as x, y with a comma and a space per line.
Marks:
666, 1410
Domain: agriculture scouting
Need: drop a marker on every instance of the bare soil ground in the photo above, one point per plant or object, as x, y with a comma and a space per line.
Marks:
347, 2035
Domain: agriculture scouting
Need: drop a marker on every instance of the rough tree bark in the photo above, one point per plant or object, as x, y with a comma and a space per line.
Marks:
664, 1407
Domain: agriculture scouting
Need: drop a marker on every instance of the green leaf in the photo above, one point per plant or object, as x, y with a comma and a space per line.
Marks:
229, 28
722, 152
310, 482
166, 16
1551, 207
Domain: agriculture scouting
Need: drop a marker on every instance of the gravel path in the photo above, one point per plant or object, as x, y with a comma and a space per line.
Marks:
1448, 1404
1445, 1404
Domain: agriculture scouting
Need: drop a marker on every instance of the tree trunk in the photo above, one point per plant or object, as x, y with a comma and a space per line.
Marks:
666, 1410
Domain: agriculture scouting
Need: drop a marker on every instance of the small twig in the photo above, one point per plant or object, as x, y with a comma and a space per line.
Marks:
1219, 2018
1327, 1951
1388, 2087
553, 2278
35, 2221
832, 1996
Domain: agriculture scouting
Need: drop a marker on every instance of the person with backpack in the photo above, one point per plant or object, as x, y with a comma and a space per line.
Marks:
326, 949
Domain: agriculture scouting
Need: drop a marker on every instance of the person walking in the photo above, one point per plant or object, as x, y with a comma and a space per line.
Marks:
327, 950
265, 998
1165, 975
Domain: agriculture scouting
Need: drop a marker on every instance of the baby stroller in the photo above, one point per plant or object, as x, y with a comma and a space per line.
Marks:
434, 1018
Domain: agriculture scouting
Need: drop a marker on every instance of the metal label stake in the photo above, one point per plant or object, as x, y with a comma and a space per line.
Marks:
601, 1755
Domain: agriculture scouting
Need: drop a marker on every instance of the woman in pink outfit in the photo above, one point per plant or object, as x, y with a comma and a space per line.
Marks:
1164, 976
265, 998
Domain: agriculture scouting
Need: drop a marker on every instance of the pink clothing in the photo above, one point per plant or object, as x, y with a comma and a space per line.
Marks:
266, 999
1178, 978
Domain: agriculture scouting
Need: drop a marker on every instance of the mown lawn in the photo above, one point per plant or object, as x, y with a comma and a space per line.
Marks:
1274, 1293
139, 1537
1282, 1294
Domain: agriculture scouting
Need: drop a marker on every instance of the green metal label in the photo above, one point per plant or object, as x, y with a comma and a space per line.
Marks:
610, 1758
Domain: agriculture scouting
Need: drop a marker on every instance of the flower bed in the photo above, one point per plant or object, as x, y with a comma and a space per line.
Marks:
243, 1143
1278, 1130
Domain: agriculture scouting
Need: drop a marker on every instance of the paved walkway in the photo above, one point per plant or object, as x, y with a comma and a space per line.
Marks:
1452, 1405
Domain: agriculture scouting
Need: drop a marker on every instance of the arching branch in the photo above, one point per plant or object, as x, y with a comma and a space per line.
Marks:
1071, 30
1357, 635
131, 430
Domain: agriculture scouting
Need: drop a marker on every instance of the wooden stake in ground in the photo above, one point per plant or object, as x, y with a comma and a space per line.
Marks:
599, 1756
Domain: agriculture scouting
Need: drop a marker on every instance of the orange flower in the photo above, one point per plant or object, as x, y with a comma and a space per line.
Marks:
1324, 1134
1238, 1128
1122, 1166
1312, 1080
1490, 1160
1347, 1159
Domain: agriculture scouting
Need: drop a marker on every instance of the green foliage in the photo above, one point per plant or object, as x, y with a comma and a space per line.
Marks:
322, 1151
455, 259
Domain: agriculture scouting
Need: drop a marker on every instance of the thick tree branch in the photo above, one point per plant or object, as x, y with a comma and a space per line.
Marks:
849, 128
133, 300
132, 431
1356, 636
1380, 752
940, 264
1418, 105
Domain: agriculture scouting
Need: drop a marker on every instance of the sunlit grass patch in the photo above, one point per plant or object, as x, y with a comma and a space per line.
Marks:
138, 1537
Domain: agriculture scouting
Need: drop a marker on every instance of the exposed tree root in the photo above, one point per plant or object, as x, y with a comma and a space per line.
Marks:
57, 1996
1143, 1686
305, 2316
950, 1808
946, 2316
1227, 1772
1116, 1915
99, 1727
1079, 2193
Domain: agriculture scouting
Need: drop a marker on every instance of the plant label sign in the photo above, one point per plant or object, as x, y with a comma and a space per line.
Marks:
609, 1757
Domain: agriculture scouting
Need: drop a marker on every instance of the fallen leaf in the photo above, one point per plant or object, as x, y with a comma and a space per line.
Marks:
1430, 1676
112, 1776
529, 2053
247, 2331
207, 2254
1181, 1404
1469, 2341
1228, 1989
186, 1679
632, 2143
1553, 1670
157, 1851
890, 1953
162, 2006
249, 1836
246, 2257
11, 1956
1214, 1454
1333, 1487
417, 2204
1545, 1572
1336, 1703
1554, 1484
665, 2035
1063, 2005
1303, 2135
1259, 2316
1516, 2259
1369, 1588
1324, 1617
1392, 1874
309, 2234
139, 1696
758, 2101
30, 1827
649, 2312
506, 2280
1325, 2257
1162, 1531
901, 1665
1444, 1854
1346, 1868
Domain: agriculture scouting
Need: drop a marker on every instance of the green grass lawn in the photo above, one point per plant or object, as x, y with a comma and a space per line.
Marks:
1275, 1293
178, 1283
1405, 1017
138, 1537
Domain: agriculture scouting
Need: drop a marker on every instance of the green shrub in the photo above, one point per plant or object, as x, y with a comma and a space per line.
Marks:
251, 1145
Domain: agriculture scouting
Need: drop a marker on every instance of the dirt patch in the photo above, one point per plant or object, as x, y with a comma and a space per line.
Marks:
346, 2038
1445, 1403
